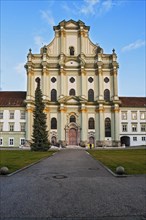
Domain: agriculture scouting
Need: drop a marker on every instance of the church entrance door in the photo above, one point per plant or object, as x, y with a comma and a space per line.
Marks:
72, 136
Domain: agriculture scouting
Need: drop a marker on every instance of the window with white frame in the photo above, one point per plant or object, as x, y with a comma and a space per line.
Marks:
134, 138
11, 141
22, 116
22, 126
134, 115
143, 138
1, 114
22, 141
134, 127
1, 126
142, 115
124, 127
124, 115
1, 141
11, 127
11, 114
143, 127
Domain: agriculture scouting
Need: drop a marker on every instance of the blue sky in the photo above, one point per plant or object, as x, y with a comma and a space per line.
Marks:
118, 24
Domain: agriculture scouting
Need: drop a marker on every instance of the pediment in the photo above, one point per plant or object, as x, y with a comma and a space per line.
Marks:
72, 99
71, 24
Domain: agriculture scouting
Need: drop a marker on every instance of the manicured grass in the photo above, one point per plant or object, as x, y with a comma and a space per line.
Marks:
133, 160
16, 159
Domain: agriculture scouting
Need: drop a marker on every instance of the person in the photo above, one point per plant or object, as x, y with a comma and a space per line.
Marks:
90, 146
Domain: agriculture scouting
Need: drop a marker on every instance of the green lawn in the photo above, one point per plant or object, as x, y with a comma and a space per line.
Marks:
16, 159
133, 160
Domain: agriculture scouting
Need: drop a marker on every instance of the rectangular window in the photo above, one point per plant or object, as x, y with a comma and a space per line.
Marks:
11, 127
143, 138
22, 115
1, 114
11, 141
143, 127
134, 127
11, 114
22, 126
134, 115
134, 138
1, 141
124, 115
22, 141
1, 126
124, 128
142, 115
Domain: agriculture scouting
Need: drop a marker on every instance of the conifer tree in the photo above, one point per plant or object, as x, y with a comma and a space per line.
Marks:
40, 134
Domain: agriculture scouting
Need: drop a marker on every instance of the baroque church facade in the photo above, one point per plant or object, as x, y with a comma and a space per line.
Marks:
79, 86
79, 83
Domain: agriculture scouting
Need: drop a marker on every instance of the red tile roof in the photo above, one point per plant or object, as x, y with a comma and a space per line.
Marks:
12, 99
133, 101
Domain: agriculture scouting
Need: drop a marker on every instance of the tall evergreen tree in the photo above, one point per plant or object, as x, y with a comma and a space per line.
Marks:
40, 134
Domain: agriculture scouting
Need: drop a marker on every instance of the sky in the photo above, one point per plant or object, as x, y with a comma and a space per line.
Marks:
118, 24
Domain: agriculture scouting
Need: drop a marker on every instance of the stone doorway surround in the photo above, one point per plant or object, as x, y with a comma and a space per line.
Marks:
72, 134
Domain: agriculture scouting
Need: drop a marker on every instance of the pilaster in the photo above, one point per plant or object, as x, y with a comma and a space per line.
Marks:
84, 125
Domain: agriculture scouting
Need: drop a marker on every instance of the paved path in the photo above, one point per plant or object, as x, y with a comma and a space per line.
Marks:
88, 191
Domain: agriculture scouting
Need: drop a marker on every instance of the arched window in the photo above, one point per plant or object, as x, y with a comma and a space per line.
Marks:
53, 95
90, 95
72, 51
72, 92
53, 123
107, 127
72, 118
106, 95
91, 123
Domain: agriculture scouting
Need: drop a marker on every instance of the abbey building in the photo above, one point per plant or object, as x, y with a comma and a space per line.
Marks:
79, 83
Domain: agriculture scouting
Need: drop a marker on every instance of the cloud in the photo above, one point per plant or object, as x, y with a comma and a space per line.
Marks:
92, 7
48, 17
20, 68
105, 6
89, 7
135, 45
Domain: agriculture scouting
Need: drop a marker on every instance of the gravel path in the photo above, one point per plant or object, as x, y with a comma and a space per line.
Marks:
72, 185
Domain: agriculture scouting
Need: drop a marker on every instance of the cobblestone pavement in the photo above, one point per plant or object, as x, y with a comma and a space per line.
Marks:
72, 185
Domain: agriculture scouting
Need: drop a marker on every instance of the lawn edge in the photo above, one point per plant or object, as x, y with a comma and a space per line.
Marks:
30, 165
114, 174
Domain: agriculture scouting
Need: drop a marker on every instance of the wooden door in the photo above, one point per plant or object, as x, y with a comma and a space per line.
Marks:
72, 137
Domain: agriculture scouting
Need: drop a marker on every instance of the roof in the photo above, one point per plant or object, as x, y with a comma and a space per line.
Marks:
12, 99
16, 99
133, 101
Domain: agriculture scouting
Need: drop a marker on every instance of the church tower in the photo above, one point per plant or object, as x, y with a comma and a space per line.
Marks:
79, 86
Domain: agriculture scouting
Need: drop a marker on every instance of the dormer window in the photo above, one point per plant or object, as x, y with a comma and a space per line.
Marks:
72, 51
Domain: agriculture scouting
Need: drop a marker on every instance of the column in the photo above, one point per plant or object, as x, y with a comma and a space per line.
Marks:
84, 125
62, 81
29, 122
47, 112
44, 82
115, 82
61, 125
97, 127
116, 117
100, 83
83, 83
101, 123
